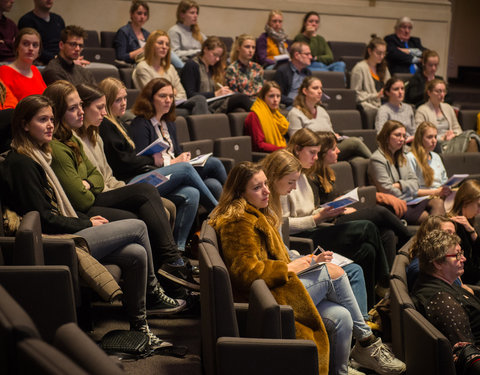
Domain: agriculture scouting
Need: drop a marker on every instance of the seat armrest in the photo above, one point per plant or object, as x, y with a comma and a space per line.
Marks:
228, 163
62, 252
266, 356
241, 312
264, 319
302, 245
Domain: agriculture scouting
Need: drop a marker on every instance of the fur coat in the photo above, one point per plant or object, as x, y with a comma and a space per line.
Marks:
253, 249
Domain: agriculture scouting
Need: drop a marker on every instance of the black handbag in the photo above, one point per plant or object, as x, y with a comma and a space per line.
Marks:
126, 344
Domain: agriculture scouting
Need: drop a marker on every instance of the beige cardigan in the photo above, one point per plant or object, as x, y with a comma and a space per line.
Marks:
426, 112
362, 82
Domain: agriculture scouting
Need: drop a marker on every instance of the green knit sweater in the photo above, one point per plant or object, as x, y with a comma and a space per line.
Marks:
318, 45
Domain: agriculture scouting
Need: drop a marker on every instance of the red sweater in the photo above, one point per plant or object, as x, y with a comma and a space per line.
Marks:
20, 85
253, 128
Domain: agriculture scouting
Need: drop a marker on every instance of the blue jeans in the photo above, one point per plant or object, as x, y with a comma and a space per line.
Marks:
213, 175
186, 189
340, 313
337, 66
357, 282
126, 244
175, 60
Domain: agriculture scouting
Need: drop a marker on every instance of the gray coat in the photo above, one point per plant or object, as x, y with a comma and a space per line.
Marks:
383, 175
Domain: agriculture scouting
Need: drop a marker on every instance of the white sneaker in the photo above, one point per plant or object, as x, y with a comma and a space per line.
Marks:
154, 341
354, 371
377, 357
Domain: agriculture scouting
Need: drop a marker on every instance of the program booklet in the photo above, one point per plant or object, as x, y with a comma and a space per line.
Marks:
455, 180
200, 160
158, 145
414, 201
343, 201
154, 178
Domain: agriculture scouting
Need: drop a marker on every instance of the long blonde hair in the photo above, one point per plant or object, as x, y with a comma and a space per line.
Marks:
111, 86
182, 8
323, 172
277, 165
303, 138
421, 154
468, 192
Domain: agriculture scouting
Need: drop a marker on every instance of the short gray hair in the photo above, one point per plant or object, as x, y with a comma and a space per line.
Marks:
433, 247
403, 20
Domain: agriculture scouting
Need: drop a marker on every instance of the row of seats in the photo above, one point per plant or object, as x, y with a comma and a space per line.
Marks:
38, 321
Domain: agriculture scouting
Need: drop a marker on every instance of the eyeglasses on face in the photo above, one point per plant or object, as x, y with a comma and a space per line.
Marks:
75, 44
458, 255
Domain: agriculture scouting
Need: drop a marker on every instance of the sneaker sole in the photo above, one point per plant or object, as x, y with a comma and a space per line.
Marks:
182, 304
358, 365
180, 281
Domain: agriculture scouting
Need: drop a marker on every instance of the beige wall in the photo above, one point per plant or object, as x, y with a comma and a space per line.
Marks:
349, 20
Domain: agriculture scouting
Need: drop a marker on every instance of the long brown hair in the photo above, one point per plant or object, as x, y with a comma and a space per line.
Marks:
218, 70
58, 92
231, 203
88, 93
306, 17
150, 49
144, 104
182, 8
382, 66
277, 165
325, 174
383, 139
303, 138
23, 113
421, 154
468, 192
300, 99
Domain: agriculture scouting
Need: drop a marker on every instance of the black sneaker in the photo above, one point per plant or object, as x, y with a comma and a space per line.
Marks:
159, 303
180, 275
154, 341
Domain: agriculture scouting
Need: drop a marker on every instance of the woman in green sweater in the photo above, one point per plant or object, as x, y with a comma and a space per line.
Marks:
84, 184
322, 56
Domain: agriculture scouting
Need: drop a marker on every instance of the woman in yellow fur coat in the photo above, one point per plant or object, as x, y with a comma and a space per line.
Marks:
253, 249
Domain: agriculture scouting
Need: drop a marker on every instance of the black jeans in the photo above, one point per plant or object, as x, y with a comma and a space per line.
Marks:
142, 201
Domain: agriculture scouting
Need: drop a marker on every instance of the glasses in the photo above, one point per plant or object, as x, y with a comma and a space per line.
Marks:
306, 53
458, 255
75, 44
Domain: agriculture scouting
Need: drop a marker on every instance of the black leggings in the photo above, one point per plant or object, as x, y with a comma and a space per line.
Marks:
143, 201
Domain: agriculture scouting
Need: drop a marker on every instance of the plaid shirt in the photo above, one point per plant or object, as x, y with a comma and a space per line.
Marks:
245, 79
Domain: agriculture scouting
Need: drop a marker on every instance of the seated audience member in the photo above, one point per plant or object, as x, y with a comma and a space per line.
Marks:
305, 219
322, 179
390, 172
243, 75
415, 88
427, 164
282, 170
205, 75
21, 76
404, 51
443, 116
395, 108
453, 310
124, 243
252, 248
185, 35
307, 112
130, 39
369, 76
322, 56
466, 207
265, 124
8, 32
48, 24
63, 66
155, 113
291, 75
156, 64
185, 187
84, 185
273, 42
